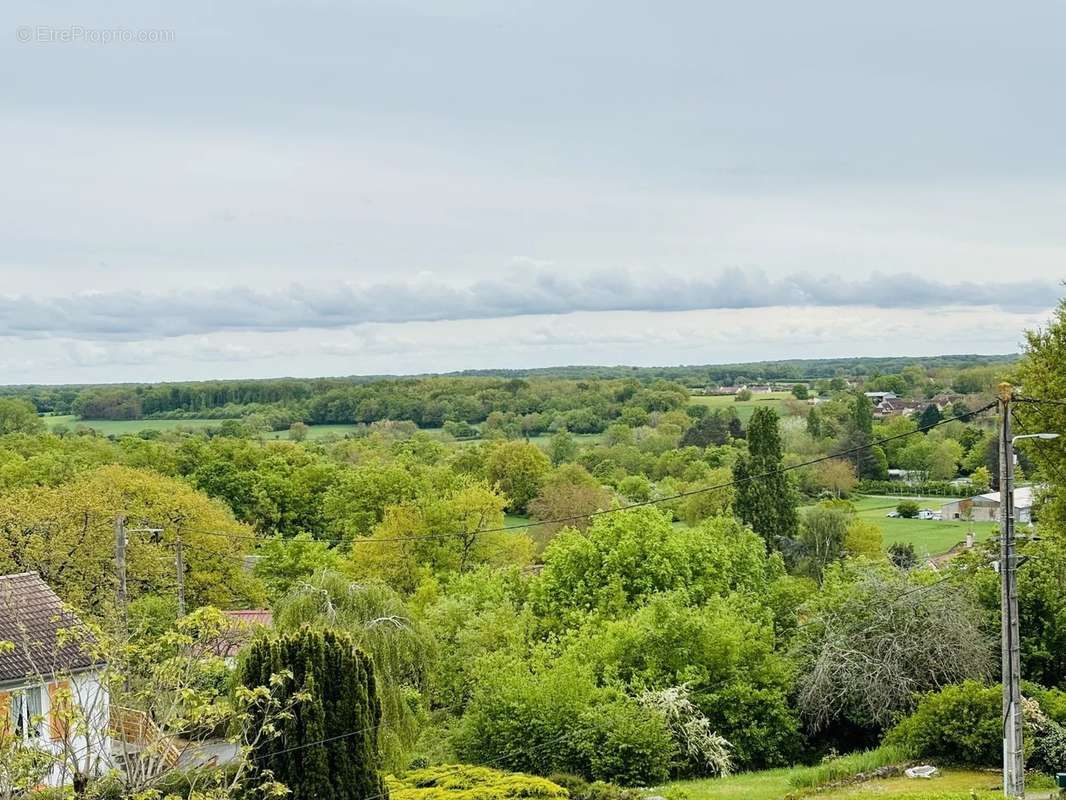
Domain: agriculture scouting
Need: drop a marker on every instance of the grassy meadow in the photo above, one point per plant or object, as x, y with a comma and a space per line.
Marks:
744, 408
120, 427
123, 427
316, 432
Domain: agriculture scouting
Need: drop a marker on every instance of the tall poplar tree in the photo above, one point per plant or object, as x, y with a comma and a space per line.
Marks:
765, 499
870, 462
328, 747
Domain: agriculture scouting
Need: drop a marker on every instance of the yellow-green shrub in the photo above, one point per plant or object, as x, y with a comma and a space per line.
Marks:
467, 782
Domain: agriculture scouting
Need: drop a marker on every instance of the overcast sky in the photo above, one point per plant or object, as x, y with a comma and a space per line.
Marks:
316, 187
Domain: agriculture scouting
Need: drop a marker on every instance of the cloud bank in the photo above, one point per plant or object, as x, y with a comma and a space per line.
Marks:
135, 315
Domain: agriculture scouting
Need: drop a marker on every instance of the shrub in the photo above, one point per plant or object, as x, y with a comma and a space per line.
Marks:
698, 745
558, 719
960, 724
723, 650
580, 789
902, 555
1047, 740
907, 509
924, 488
575, 785
465, 782
625, 743
1053, 702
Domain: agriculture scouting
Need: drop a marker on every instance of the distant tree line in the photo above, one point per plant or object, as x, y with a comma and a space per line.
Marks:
531, 406
332, 399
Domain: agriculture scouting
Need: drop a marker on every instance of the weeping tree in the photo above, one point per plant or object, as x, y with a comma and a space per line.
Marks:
875, 639
327, 746
378, 622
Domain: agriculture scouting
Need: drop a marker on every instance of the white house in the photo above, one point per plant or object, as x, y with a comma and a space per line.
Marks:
52, 695
985, 507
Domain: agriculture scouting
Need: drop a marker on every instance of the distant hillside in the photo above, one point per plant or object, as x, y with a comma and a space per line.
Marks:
588, 396
789, 369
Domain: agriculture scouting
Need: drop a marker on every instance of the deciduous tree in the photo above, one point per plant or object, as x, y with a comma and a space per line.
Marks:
518, 468
18, 416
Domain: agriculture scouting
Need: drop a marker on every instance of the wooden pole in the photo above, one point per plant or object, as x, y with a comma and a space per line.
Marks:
120, 567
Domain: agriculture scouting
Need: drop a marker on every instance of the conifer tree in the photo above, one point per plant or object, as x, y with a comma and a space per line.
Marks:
328, 748
866, 459
765, 499
930, 416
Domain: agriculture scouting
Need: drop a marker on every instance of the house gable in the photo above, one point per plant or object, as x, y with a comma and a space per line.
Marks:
34, 620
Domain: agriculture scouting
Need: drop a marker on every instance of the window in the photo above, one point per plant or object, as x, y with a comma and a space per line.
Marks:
27, 712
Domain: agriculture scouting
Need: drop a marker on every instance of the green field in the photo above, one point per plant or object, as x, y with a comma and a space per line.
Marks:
582, 439
316, 431
775, 784
929, 537
119, 427
745, 408
122, 427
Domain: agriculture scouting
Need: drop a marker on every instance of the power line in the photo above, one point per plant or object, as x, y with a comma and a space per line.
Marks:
1039, 401
1045, 462
630, 506
458, 707
913, 590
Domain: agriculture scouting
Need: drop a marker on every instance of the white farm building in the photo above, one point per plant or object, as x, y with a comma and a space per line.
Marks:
985, 507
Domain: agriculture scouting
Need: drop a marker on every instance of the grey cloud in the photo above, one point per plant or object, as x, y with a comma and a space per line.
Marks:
135, 315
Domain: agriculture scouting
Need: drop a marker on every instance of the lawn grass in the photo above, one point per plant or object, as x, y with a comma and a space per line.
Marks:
770, 784
777, 784
929, 537
744, 408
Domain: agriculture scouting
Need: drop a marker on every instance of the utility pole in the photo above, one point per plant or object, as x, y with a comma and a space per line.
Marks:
120, 566
1013, 757
179, 563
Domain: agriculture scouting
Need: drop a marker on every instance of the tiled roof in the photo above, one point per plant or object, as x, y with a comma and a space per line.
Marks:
254, 616
246, 623
31, 618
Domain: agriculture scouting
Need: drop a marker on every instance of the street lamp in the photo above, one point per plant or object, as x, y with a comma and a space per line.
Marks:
1034, 436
